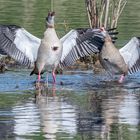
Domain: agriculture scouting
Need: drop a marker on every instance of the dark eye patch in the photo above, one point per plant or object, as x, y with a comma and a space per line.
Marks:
54, 48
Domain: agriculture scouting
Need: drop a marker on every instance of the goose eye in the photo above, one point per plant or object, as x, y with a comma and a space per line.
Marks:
54, 48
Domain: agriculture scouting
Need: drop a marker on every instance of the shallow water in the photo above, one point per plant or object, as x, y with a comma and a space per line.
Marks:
83, 105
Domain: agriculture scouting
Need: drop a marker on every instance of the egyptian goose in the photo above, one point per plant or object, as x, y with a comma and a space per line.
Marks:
49, 52
123, 61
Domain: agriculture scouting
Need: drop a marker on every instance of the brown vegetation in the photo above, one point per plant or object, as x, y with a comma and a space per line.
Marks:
104, 12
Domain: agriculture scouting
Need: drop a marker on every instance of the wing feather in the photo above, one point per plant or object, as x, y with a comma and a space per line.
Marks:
19, 44
80, 43
131, 54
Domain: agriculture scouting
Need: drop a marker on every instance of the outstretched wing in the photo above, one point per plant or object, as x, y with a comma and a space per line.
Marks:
131, 54
79, 43
18, 44
23, 46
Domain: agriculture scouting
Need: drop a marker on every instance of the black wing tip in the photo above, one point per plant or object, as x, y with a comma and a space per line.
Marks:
138, 38
111, 29
2, 52
10, 26
81, 30
113, 33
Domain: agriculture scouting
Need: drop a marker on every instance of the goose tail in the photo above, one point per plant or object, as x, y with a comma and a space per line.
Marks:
34, 71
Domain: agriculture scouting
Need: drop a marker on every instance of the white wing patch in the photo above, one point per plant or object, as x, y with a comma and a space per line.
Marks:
68, 41
131, 54
27, 43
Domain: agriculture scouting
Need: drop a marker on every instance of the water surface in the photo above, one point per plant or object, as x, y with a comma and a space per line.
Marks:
83, 105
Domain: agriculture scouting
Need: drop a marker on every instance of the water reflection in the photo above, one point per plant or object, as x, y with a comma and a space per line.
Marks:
6, 123
109, 114
49, 114
26, 119
129, 111
57, 116
118, 111
99, 114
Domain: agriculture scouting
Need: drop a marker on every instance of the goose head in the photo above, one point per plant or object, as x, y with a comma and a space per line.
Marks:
50, 19
105, 34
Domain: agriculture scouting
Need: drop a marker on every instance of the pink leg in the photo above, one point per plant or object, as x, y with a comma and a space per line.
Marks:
54, 76
39, 77
121, 78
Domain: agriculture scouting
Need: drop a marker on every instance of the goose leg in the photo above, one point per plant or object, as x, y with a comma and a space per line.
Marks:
54, 76
39, 77
121, 78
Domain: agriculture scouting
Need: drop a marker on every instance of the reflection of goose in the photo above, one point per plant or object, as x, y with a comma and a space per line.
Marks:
129, 116
23, 46
50, 115
56, 116
26, 118
125, 60
121, 109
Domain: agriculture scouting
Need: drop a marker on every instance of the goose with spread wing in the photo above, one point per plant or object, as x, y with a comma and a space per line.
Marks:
47, 53
123, 61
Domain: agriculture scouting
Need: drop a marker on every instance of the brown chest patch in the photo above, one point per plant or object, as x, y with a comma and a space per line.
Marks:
54, 48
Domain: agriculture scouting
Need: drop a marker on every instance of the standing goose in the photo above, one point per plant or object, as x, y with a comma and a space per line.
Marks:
123, 61
49, 52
